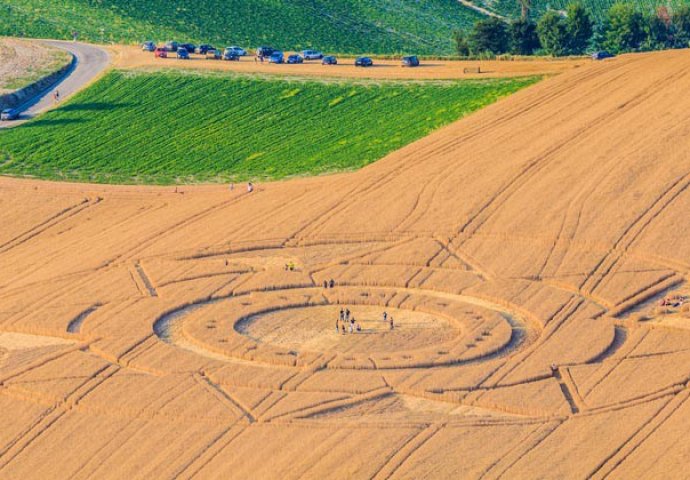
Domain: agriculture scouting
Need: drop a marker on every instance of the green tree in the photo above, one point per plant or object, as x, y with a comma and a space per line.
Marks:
462, 44
490, 35
579, 28
625, 29
553, 34
681, 26
523, 37
658, 30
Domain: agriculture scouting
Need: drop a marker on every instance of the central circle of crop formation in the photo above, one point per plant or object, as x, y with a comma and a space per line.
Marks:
297, 328
314, 329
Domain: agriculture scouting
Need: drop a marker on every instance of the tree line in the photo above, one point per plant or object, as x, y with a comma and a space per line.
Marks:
624, 28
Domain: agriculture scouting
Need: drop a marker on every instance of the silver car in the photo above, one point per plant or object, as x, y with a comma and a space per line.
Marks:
312, 55
240, 52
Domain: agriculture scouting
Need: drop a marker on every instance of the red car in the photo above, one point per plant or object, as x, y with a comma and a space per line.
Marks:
161, 53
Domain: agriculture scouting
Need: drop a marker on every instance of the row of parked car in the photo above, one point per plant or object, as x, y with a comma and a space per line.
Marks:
269, 54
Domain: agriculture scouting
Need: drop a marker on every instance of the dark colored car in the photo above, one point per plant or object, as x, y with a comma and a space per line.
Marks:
265, 51
602, 55
9, 114
203, 49
411, 61
292, 59
161, 53
190, 47
213, 55
329, 60
148, 46
231, 56
276, 57
312, 55
172, 46
182, 54
364, 62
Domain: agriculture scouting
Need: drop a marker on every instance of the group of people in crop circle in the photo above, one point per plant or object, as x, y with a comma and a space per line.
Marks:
346, 322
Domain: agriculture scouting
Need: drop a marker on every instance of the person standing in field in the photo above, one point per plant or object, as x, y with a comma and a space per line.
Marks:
391, 323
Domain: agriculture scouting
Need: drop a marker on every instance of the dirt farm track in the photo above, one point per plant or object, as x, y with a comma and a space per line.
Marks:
133, 58
525, 252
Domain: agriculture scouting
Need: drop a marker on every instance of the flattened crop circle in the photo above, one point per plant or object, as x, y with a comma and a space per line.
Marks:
314, 329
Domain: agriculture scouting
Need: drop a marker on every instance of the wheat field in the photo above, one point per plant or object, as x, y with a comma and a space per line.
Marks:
534, 257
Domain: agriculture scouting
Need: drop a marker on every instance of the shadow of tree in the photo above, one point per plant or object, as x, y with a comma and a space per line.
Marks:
93, 107
53, 122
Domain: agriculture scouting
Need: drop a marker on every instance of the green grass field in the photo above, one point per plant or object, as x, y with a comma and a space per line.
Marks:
511, 8
339, 26
189, 127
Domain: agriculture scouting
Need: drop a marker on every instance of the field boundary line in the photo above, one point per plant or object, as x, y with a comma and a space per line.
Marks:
61, 216
517, 451
648, 428
399, 458
219, 392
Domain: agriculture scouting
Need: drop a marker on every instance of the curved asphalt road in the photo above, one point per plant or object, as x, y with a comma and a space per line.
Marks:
90, 61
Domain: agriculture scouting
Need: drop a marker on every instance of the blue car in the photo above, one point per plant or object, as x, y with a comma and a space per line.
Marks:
364, 62
9, 114
602, 55
411, 61
292, 59
329, 60
231, 56
276, 57
182, 54
190, 47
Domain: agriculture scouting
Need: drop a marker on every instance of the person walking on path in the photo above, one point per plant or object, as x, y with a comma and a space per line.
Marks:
56, 96
250, 187
391, 322
385, 317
